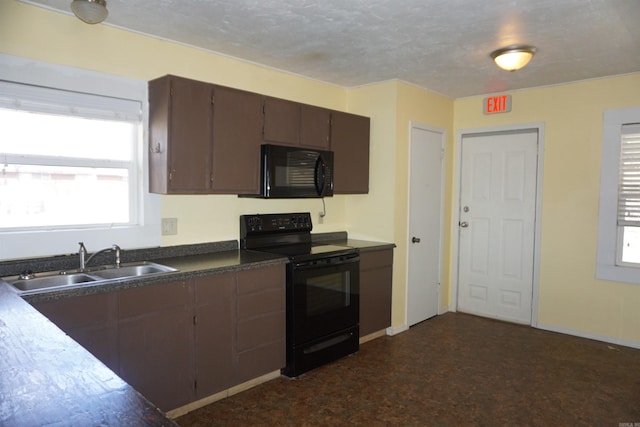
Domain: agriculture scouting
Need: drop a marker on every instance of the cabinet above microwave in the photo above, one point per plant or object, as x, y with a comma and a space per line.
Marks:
206, 138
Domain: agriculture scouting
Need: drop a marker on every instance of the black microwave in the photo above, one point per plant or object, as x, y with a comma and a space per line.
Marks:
290, 172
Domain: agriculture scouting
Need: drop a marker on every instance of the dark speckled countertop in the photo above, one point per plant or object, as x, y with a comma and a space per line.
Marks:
49, 379
188, 267
46, 378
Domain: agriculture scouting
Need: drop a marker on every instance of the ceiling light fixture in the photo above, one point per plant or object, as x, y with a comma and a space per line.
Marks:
90, 11
513, 58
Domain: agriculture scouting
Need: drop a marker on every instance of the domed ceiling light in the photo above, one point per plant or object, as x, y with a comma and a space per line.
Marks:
513, 58
90, 11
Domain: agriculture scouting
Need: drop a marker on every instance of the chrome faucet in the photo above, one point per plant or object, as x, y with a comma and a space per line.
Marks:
82, 253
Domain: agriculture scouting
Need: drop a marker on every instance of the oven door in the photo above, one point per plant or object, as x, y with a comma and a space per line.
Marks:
323, 297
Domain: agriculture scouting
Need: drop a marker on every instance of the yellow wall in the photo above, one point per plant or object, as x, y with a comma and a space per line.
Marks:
37, 33
383, 213
40, 34
571, 298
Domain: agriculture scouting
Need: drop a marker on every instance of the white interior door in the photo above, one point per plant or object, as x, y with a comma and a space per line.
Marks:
425, 223
497, 225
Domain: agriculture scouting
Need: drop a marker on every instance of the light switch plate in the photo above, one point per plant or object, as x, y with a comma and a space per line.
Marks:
169, 226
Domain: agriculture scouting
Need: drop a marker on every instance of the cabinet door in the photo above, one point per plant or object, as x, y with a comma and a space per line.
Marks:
180, 116
350, 144
376, 279
261, 318
90, 320
215, 313
155, 340
315, 125
281, 121
237, 118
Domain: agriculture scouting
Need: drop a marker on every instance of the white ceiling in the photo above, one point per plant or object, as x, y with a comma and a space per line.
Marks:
440, 45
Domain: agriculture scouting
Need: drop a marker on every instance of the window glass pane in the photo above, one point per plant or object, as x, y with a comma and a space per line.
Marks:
67, 136
51, 196
631, 245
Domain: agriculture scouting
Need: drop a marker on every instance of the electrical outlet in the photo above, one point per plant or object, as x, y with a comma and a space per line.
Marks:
169, 226
321, 218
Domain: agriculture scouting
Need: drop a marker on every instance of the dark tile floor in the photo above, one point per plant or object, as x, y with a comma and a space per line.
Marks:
452, 370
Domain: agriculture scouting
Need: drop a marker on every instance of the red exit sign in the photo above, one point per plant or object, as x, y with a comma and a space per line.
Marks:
497, 104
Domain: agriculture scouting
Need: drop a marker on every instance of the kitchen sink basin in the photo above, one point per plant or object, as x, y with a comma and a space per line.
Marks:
133, 270
52, 281
96, 276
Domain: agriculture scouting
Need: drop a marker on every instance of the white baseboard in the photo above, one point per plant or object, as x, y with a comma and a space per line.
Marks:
582, 334
394, 330
373, 336
175, 413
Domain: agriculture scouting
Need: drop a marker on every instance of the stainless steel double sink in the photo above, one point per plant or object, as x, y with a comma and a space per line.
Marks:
97, 275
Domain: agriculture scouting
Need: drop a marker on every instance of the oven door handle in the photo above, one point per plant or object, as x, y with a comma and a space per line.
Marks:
327, 262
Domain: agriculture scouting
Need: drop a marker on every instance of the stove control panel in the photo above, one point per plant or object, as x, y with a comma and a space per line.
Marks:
275, 223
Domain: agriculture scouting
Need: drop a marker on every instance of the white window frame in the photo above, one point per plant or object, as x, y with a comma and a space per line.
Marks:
607, 267
146, 232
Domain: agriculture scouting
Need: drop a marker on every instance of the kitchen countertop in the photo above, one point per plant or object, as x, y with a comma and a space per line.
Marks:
188, 267
47, 378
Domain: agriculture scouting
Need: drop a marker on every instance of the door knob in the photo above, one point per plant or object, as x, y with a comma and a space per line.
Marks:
415, 240
463, 224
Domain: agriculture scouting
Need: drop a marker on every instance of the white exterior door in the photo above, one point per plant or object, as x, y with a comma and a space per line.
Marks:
425, 223
497, 225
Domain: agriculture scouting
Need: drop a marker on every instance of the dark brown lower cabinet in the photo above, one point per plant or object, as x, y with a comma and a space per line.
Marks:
214, 299
156, 342
376, 281
91, 321
178, 342
260, 324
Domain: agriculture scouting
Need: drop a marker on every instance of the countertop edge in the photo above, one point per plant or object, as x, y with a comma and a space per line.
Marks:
41, 358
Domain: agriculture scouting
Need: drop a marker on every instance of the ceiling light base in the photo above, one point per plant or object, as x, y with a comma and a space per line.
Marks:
90, 11
513, 58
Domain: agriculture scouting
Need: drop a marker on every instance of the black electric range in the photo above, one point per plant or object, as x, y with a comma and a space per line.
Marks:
322, 289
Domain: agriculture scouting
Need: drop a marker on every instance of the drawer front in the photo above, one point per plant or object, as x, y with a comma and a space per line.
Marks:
260, 331
210, 289
259, 303
147, 299
81, 311
260, 279
376, 259
260, 361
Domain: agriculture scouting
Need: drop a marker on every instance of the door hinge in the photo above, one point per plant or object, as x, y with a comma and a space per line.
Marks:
213, 99
170, 176
442, 154
194, 320
195, 384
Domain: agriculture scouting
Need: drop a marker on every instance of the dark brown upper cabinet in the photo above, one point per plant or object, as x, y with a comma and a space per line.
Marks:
237, 118
350, 145
315, 125
180, 129
281, 121
203, 138
292, 123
